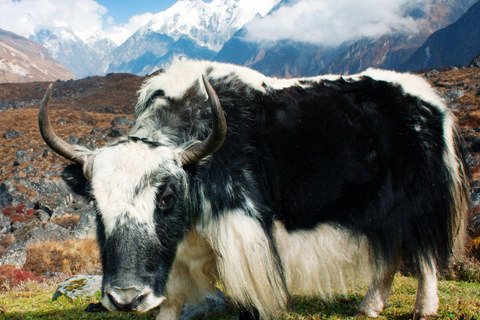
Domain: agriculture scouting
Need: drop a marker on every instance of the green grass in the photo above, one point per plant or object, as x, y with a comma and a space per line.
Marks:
458, 301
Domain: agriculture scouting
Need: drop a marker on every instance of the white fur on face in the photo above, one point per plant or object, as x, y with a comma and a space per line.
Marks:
125, 180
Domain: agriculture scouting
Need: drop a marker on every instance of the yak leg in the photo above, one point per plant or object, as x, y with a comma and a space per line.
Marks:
175, 294
427, 296
375, 301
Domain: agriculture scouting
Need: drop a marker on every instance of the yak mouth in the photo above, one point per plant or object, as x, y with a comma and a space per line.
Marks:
131, 300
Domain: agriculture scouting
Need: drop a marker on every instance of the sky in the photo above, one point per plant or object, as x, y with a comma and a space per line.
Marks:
122, 10
329, 22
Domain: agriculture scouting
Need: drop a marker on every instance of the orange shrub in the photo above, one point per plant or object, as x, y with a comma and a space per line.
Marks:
73, 256
68, 220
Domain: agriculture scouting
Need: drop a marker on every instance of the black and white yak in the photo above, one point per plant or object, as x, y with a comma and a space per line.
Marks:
274, 186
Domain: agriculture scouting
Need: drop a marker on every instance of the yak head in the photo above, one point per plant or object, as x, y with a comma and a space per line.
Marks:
140, 190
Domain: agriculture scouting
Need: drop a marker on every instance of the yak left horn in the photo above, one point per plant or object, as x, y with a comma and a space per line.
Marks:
51, 139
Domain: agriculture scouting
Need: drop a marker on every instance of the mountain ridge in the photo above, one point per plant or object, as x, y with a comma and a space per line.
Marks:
22, 60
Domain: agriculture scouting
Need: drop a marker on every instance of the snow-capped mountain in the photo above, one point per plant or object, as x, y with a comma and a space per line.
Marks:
208, 24
67, 48
100, 42
79, 56
22, 60
190, 27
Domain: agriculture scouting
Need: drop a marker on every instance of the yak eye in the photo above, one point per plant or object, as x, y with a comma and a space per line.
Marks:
167, 199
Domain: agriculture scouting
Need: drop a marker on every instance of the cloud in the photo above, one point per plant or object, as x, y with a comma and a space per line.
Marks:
84, 17
331, 22
80, 15
120, 33
138, 21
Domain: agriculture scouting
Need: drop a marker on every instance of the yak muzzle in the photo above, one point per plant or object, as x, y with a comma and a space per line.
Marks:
130, 299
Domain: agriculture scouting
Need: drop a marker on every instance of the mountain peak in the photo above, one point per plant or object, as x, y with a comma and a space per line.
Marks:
209, 24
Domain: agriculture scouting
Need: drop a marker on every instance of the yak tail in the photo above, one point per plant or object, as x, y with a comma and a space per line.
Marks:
460, 179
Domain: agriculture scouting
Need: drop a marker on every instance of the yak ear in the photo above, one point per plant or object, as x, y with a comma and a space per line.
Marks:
74, 177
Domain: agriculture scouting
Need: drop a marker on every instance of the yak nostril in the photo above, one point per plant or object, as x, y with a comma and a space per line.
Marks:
125, 299
119, 306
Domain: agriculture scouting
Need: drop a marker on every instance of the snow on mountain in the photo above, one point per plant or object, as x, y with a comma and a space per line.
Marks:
79, 53
209, 24
190, 27
99, 42
22, 60
68, 49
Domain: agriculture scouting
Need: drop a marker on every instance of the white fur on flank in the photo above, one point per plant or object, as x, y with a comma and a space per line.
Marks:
116, 175
325, 261
245, 263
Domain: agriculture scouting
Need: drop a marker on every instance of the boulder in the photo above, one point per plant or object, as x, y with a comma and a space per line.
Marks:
5, 197
475, 63
121, 121
212, 304
10, 134
117, 132
16, 253
79, 286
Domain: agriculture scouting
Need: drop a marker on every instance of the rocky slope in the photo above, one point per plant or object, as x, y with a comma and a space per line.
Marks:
456, 44
34, 182
22, 60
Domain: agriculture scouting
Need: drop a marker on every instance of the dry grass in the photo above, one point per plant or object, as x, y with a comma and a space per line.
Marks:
68, 220
74, 256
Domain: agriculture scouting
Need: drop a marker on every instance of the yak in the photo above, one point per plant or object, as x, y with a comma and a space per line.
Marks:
271, 187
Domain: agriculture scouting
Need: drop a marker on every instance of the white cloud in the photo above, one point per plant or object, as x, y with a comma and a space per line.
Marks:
80, 15
120, 33
25, 17
138, 21
331, 22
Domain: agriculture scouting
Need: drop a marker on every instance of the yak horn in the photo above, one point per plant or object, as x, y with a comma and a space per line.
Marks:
216, 137
51, 139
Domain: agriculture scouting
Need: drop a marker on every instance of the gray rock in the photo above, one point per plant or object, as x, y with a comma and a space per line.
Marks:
453, 94
20, 154
72, 140
431, 73
10, 134
87, 226
32, 232
78, 286
121, 121
475, 63
42, 215
211, 305
117, 132
107, 109
14, 257
5, 197
5, 225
